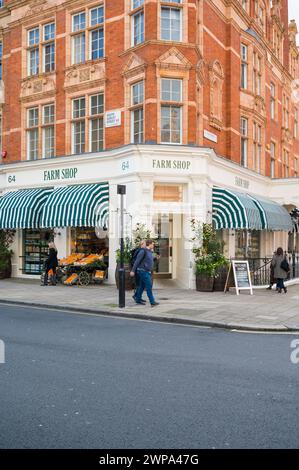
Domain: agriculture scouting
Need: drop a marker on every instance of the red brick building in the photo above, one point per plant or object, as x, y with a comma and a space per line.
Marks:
233, 64
174, 98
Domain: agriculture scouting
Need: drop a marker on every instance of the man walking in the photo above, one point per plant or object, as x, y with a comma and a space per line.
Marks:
143, 266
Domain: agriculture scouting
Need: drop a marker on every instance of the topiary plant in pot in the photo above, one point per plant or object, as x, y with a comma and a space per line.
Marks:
209, 259
6, 239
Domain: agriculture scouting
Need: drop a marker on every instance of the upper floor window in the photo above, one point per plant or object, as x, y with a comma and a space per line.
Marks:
245, 4
244, 141
137, 113
40, 132
244, 66
259, 11
171, 111
273, 159
272, 101
137, 22
257, 146
285, 111
285, 164
296, 123
1, 3
88, 35
171, 21
41, 49
87, 124
257, 74
1, 57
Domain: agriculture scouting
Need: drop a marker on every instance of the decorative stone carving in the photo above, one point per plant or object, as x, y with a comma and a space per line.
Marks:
201, 72
35, 7
173, 59
33, 86
134, 66
84, 74
216, 76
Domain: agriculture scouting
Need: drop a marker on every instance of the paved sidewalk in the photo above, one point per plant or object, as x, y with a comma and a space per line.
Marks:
264, 310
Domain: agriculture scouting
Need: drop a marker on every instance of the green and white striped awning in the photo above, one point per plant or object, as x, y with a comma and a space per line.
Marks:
236, 210
273, 216
22, 208
85, 205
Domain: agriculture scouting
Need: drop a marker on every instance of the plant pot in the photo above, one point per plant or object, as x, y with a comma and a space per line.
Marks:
220, 279
5, 270
129, 281
204, 283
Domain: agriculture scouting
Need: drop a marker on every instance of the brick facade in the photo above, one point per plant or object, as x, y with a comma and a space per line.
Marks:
207, 60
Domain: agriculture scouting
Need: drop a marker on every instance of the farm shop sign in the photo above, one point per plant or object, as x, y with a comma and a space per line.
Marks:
60, 174
180, 165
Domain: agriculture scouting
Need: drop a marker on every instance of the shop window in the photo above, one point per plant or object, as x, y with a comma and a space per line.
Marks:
41, 49
171, 21
35, 250
247, 244
88, 35
137, 113
171, 111
86, 240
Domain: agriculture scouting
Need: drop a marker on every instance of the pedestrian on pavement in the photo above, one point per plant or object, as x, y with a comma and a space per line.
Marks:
281, 269
143, 265
272, 278
135, 252
51, 263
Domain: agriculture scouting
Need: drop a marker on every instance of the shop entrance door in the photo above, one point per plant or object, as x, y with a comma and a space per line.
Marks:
164, 246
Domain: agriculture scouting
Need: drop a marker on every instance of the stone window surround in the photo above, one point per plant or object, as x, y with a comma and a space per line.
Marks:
251, 48
184, 18
128, 82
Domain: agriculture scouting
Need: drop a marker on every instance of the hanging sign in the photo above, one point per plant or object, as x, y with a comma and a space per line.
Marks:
239, 277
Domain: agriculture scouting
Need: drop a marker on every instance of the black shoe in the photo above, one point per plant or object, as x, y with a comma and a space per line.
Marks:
155, 304
141, 301
285, 290
269, 288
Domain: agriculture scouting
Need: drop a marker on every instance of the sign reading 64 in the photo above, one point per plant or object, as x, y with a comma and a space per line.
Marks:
11, 178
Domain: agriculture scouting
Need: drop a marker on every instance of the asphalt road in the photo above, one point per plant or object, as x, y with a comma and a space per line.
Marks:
75, 381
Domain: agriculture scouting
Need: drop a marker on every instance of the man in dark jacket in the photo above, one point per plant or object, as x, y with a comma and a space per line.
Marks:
143, 266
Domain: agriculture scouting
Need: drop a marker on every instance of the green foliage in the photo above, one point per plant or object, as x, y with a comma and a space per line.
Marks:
128, 246
141, 233
6, 239
208, 251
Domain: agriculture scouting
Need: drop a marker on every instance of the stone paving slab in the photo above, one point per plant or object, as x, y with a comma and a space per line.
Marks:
265, 310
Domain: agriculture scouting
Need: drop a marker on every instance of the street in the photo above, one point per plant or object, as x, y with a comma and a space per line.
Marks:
85, 381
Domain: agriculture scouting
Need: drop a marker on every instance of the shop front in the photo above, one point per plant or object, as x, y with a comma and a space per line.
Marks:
73, 201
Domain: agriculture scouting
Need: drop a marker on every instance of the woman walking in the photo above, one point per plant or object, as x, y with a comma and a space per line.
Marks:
51, 263
281, 269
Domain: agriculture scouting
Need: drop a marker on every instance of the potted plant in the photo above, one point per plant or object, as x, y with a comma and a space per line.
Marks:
6, 239
209, 259
129, 282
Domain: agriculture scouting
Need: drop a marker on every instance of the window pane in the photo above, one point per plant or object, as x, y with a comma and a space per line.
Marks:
78, 108
96, 130
79, 137
33, 37
171, 124
97, 44
137, 3
32, 142
171, 90
138, 28
79, 22
96, 16
79, 48
137, 126
48, 114
32, 117
49, 57
48, 142
97, 104
170, 24
34, 62
49, 31
137, 93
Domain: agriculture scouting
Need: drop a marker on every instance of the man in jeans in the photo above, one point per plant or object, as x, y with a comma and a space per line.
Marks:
143, 266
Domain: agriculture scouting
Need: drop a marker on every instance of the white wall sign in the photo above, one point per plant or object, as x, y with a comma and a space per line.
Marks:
210, 136
113, 118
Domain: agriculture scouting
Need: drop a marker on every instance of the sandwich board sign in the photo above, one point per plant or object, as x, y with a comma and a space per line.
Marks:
239, 277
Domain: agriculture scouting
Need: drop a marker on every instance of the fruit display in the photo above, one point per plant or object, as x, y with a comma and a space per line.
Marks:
71, 259
90, 259
71, 280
